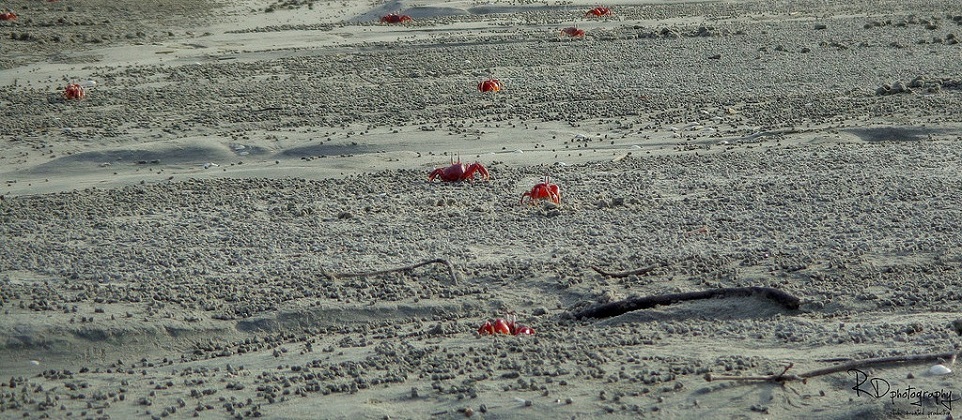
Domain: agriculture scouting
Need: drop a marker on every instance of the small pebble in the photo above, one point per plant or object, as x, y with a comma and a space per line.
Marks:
940, 370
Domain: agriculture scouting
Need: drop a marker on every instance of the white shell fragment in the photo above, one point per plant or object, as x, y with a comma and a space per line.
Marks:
939, 370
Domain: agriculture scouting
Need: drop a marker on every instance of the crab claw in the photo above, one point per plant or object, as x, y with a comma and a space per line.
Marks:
523, 330
486, 328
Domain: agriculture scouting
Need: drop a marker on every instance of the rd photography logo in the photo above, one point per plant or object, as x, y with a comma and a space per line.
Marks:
906, 400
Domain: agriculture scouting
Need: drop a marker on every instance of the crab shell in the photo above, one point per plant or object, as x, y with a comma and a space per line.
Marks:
573, 32
543, 191
396, 18
8, 15
490, 85
502, 326
598, 12
74, 91
459, 172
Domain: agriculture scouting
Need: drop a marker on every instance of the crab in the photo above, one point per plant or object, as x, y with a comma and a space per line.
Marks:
74, 91
543, 191
459, 172
490, 85
573, 32
396, 18
598, 12
504, 326
8, 15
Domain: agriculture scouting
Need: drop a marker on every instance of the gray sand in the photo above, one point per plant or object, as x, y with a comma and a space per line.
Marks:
181, 242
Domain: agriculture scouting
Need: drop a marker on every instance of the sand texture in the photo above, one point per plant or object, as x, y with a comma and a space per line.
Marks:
237, 221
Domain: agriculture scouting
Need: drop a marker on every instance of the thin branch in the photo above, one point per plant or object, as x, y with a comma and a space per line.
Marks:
845, 367
781, 377
638, 272
611, 309
856, 364
451, 271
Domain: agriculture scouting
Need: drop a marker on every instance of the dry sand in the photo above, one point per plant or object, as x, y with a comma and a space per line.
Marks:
177, 243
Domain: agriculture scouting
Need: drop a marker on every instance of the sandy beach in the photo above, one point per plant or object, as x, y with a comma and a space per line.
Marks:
237, 219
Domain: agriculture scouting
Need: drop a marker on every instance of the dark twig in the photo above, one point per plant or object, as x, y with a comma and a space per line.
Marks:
856, 364
611, 309
451, 271
637, 272
845, 367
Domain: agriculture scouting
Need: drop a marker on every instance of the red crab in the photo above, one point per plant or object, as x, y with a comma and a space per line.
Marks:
574, 32
543, 191
396, 18
459, 172
598, 12
8, 15
74, 91
504, 326
490, 85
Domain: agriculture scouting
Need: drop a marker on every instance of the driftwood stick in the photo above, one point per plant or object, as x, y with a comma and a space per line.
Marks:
781, 377
857, 364
611, 309
637, 272
451, 271
949, 357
